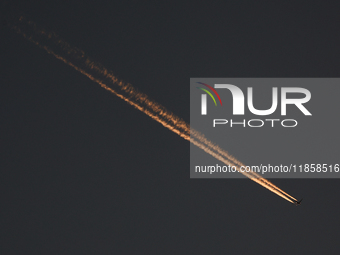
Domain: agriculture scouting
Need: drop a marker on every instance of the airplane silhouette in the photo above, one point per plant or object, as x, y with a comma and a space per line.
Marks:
298, 202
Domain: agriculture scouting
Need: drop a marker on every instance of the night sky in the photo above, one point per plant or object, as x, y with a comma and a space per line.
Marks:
83, 172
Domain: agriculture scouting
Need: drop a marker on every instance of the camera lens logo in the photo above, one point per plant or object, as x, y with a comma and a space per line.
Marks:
204, 97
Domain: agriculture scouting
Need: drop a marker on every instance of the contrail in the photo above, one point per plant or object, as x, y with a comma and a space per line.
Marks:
226, 158
102, 76
250, 175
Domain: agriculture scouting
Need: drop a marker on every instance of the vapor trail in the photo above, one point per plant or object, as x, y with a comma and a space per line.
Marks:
250, 175
226, 158
132, 96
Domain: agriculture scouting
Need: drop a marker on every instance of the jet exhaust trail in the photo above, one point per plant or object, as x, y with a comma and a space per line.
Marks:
79, 61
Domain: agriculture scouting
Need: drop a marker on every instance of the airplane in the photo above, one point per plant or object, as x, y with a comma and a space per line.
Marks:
298, 202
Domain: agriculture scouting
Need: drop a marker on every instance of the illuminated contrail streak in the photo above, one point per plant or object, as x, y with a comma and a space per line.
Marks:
260, 181
223, 156
132, 96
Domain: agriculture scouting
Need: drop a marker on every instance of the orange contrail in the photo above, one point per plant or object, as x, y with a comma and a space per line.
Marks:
225, 160
137, 99
254, 176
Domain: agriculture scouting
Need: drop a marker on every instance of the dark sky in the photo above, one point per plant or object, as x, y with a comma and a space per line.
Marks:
82, 172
